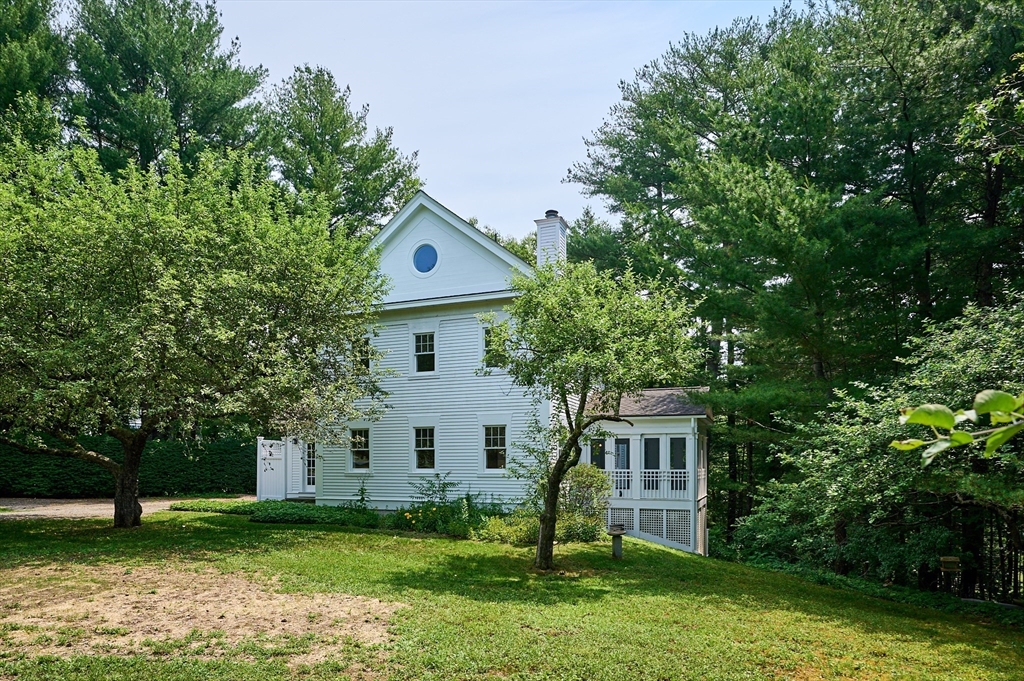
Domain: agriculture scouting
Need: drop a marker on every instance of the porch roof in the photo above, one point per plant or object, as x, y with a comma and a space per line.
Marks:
664, 402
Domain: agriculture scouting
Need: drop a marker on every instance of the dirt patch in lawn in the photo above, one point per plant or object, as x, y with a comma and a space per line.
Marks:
76, 610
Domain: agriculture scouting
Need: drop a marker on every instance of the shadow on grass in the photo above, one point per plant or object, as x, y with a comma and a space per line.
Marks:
587, 573
162, 536
649, 579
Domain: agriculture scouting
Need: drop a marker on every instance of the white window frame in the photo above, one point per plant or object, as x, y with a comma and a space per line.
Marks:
412, 252
428, 421
494, 419
348, 450
483, 343
310, 464
418, 328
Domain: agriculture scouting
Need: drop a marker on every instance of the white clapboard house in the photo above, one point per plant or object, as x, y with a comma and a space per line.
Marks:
445, 417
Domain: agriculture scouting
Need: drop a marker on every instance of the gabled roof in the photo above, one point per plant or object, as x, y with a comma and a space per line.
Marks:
424, 200
663, 402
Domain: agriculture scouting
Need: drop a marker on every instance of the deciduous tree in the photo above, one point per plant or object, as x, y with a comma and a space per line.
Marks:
582, 339
148, 304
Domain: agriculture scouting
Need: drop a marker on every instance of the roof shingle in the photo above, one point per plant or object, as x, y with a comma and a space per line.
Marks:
664, 402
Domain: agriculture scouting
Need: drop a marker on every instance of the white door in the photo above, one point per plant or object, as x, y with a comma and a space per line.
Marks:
309, 467
270, 472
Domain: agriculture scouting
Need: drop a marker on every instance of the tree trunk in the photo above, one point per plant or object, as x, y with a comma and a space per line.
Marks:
127, 509
733, 506
545, 559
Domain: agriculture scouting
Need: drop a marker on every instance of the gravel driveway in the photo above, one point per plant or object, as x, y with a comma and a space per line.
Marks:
80, 508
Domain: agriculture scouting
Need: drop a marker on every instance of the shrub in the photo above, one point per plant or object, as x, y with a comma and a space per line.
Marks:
299, 513
286, 512
169, 467
523, 525
206, 506
458, 518
585, 492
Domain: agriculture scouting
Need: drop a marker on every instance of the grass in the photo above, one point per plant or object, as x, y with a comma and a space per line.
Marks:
477, 610
4, 509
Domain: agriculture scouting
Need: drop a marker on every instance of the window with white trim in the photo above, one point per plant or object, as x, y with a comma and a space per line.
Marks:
310, 464
424, 352
492, 355
360, 439
424, 446
494, 447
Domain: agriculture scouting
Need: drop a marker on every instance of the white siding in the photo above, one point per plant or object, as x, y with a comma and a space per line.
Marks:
463, 266
455, 401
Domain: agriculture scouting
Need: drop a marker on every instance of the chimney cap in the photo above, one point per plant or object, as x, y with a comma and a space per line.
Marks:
552, 213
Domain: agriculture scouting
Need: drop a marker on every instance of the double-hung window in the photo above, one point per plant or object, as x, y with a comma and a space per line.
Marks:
424, 447
360, 443
494, 447
424, 352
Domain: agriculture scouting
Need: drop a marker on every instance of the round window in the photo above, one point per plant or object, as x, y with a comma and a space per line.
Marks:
425, 258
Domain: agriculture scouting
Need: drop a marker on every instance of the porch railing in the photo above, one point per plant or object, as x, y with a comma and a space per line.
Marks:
652, 484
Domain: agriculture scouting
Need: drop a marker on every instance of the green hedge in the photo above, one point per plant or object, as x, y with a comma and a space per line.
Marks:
168, 468
286, 512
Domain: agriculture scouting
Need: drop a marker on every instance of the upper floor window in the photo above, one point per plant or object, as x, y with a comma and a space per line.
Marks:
424, 351
597, 453
491, 351
360, 439
424, 447
425, 258
361, 352
494, 446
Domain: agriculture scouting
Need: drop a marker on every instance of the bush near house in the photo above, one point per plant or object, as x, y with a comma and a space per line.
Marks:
169, 467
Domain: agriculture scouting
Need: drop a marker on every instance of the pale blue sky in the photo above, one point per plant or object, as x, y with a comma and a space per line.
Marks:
496, 96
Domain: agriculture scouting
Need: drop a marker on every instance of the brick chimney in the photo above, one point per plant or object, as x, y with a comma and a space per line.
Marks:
552, 232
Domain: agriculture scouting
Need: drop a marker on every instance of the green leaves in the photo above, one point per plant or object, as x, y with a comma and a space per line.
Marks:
934, 415
1002, 407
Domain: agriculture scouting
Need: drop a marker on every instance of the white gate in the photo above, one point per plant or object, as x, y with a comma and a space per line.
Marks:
270, 472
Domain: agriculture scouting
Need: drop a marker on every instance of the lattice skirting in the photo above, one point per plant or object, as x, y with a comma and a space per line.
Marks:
672, 524
621, 516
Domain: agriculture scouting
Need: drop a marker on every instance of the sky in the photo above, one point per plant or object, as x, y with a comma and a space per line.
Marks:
496, 97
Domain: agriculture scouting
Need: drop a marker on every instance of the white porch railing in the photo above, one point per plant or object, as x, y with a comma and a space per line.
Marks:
653, 484
665, 485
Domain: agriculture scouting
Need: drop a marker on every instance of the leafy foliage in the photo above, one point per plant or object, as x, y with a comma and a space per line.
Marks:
582, 340
321, 147
811, 184
154, 303
858, 504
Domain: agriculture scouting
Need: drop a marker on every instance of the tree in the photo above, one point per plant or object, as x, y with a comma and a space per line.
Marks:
33, 70
151, 76
856, 502
582, 339
150, 304
319, 145
524, 248
33, 54
799, 180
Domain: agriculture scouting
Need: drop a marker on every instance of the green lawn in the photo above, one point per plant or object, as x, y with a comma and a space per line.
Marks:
476, 611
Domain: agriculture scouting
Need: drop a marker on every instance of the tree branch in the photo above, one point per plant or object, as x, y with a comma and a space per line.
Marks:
77, 451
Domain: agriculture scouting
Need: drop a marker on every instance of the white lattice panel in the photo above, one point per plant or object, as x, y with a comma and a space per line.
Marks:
677, 526
621, 516
652, 521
